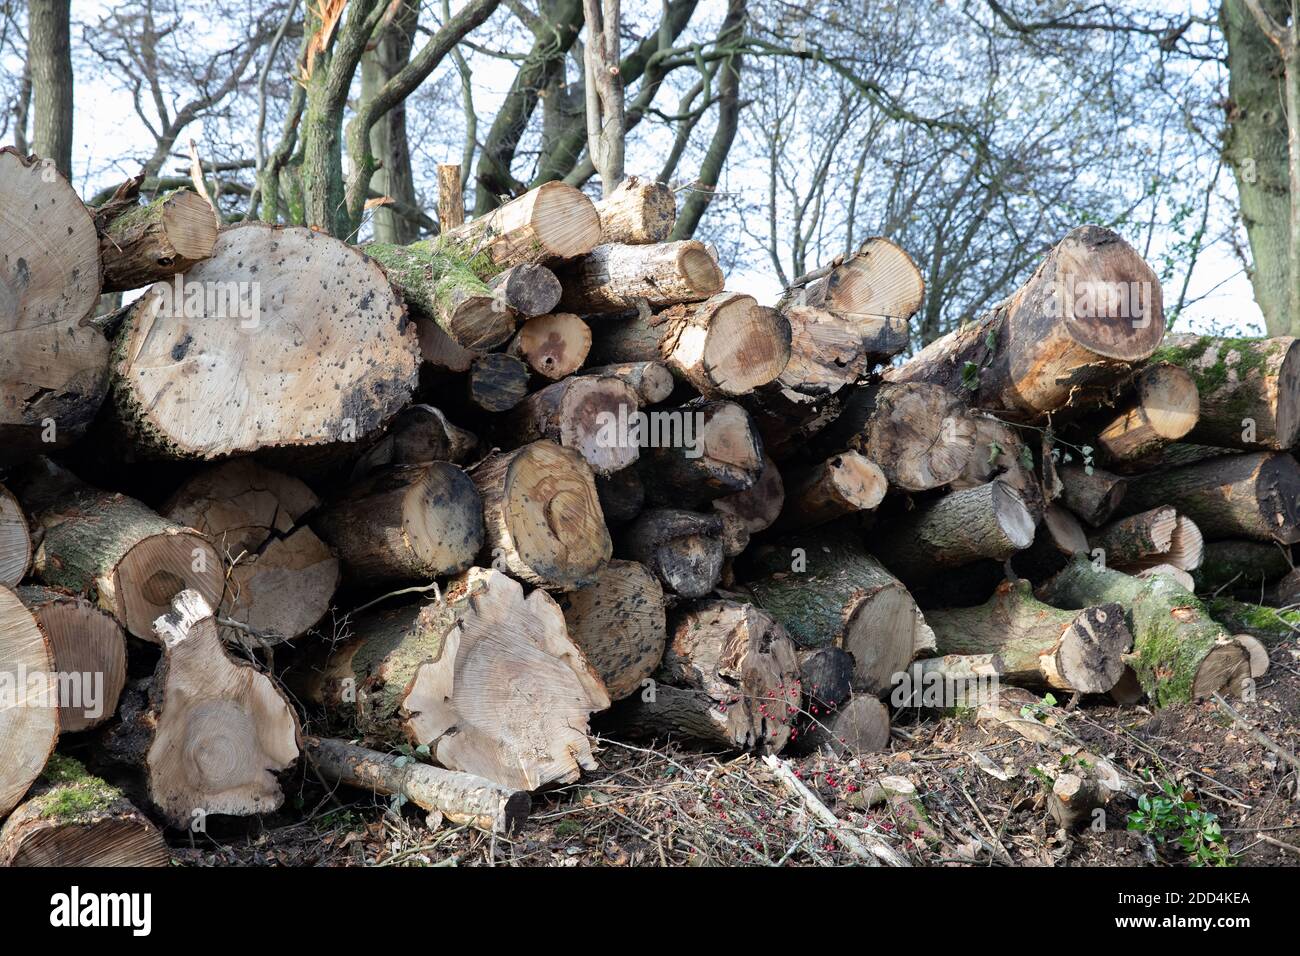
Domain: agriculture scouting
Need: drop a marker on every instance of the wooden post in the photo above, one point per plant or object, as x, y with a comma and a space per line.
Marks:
451, 198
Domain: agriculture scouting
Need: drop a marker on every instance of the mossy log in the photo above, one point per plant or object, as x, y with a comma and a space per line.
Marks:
546, 226
1270, 625
144, 244
1241, 566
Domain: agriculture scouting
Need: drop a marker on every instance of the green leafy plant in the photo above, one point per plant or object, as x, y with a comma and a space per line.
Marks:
1171, 818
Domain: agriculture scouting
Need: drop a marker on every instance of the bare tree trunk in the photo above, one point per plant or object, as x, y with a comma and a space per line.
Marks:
604, 92
388, 143
49, 59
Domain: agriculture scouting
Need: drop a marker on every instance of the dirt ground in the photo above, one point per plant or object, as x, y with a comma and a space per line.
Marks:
980, 800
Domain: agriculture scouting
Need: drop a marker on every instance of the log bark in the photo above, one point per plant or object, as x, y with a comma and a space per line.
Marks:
790, 421
583, 413
1160, 536
699, 452
1241, 566
442, 288
615, 278
1032, 644
637, 212
530, 290
860, 726
683, 549
144, 244
418, 434
553, 345
726, 346
544, 226
1090, 310
729, 679
846, 484
72, 818
760, 505
451, 197
829, 351
1270, 625
1179, 653
89, 649
989, 521
1166, 408
1240, 496
622, 496
542, 515
826, 674
652, 381
838, 595
299, 343
281, 576
497, 382
406, 523
620, 625
1091, 493
15, 540
29, 721
1240, 379
462, 798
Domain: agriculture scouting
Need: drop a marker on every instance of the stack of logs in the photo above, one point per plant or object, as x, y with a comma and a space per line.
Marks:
544, 475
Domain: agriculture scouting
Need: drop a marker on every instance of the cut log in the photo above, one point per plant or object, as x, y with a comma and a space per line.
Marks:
1241, 496
832, 593
1136, 539
497, 382
281, 576
826, 674
729, 679
880, 280
1032, 644
553, 345
829, 351
461, 798
683, 549
989, 521
846, 484
440, 353
545, 225
299, 342
127, 559
1091, 493
215, 732
542, 515
15, 540
72, 818
89, 651
1058, 538
860, 726
726, 346
1090, 310
1241, 566
652, 381
588, 414
505, 694
757, 506
698, 452
1267, 624
1179, 653
1166, 407
999, 452
29, 719
406, 523
418, 434
1249, 389
615, 278
620, 625
528, 289
144, 244
789, 420
49, 250
441, 287
637, 212
622, 496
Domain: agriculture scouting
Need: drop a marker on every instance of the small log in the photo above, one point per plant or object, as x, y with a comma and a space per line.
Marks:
545, 226
827, 350
442, 288
462, 798
652, 381
989, 521
826, 675
1058, 538
281, 576
530, 289
553, 345
144, 244
497, 382
1241, 566
759, 505
1179, 653
620, 625
1270, 625
1091, 309
615, 278
29, 721
699, 452
15, 540
406, 523
72, 818
585, 413
1032, 644
1091, 493
1240, 496
726, 346
299, 342
860, 726
126, 558
637, 212
622, 496
542, 515
89, 647
789, 421
418, 434
880, 280
1135, 539
683, 549
1166, 407
830, 592
846, 484
1249, 388
729, 679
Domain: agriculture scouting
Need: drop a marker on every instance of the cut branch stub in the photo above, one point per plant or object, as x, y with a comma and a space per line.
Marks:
29, 722
144, 244
880, 280
553, 345
545, 225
